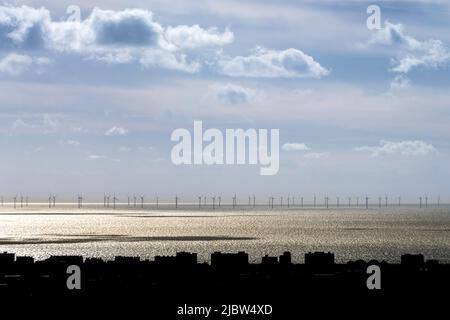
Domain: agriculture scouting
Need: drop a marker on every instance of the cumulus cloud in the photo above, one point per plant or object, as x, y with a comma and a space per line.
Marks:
126, 36
406, 148
232, 94
293, 146
169, 61
413, 53
133, 36
191, 37
22, 27
265, 63
15, 64
116, 131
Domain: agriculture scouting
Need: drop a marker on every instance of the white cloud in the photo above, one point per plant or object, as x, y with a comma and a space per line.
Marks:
316, 155
20, 125
22, 27
96, 157
116, 131
400, 82
125, 36
232, 94
413, 52
295, 147
15, 64
191, 37
265, 63
406, 148
169, 60
48, 125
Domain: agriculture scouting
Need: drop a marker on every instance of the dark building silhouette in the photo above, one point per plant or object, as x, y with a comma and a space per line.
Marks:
413, 260
266, 260
181, 258
319, 258
236, 260
285, 258
6, 257
167, 282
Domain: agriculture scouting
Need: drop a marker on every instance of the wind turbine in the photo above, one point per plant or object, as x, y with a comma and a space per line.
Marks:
426, 201
220, 200
420, 201
349, 202
54, 201
386, 200
15, 199
114, 201
157, 202
357, 202
367, 202
314, 201
214, 202
176, 202
128, 201
21, 201
254, 201
142, 202
80, 201
301, 201
271, 202
199, 202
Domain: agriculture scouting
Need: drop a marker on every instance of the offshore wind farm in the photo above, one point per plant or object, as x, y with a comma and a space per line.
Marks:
146, 226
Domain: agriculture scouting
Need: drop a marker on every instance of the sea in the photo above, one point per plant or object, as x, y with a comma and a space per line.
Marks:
350, 233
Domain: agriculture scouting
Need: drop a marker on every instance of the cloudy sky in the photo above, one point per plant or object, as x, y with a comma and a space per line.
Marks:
89, 106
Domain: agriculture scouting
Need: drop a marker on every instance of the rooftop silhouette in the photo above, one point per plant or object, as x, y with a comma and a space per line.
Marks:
24, 276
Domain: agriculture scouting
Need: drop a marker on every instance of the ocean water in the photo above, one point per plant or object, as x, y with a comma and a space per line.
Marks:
382, 234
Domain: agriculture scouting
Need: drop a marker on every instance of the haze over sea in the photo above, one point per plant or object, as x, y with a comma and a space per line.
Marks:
382, 234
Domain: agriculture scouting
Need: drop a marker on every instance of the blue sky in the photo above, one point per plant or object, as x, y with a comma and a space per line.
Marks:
85, 107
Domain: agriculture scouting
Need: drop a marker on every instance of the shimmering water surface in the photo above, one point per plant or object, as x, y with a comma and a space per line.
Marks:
382, 234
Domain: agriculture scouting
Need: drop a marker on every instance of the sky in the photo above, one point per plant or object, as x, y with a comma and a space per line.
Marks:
88, 105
